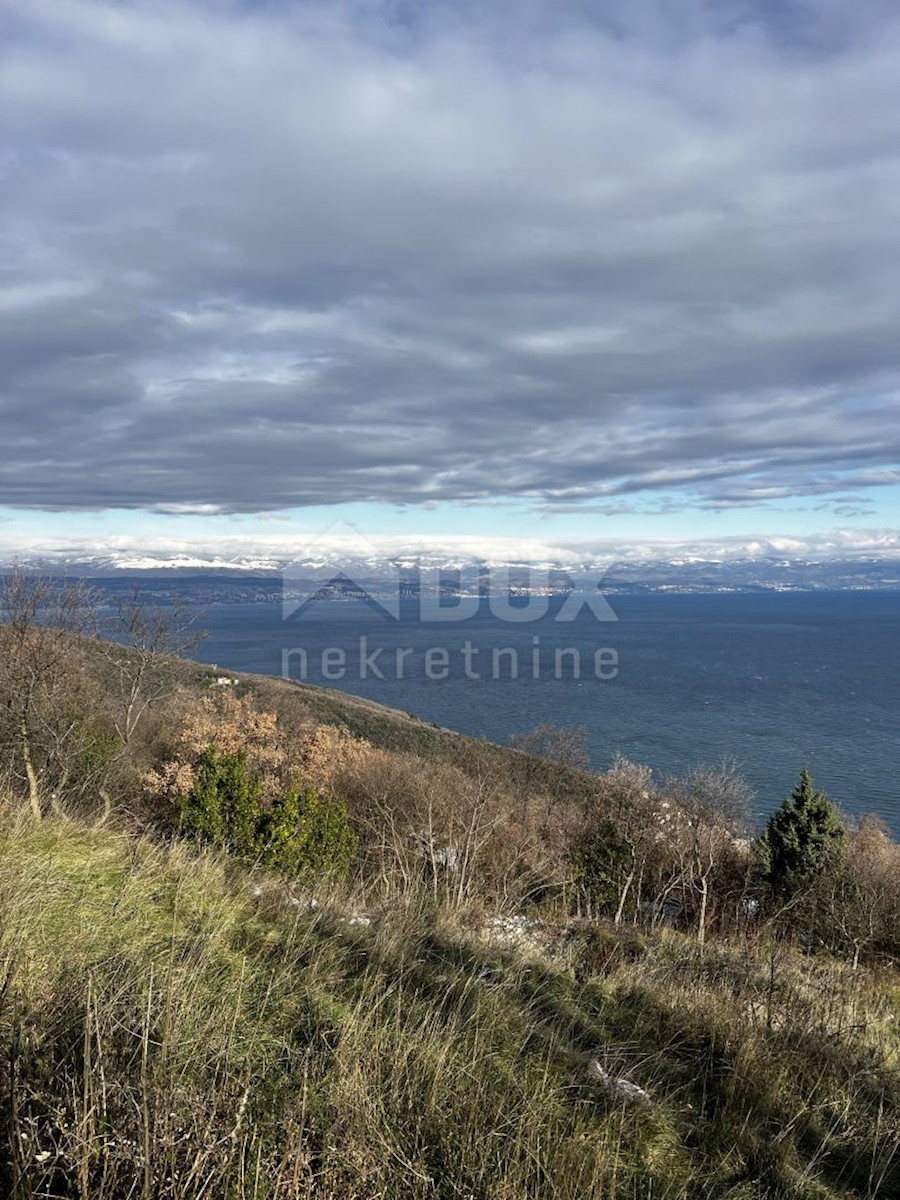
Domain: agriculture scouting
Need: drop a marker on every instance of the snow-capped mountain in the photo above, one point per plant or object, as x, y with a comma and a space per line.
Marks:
537, 567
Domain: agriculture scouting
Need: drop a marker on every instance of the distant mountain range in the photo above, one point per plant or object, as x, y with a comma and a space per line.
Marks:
252, 577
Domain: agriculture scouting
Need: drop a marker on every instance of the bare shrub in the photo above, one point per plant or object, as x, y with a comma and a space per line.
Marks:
857, 901
569, 747
143, 640
710, 807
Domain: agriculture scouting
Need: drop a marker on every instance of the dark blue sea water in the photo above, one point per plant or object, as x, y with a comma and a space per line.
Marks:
775, 680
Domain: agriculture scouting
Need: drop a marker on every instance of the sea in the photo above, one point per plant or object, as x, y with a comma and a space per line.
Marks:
773, 680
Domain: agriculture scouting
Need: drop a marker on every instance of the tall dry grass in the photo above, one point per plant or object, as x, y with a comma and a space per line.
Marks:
174, 1026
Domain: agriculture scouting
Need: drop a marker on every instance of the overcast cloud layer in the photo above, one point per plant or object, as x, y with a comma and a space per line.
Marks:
260, 256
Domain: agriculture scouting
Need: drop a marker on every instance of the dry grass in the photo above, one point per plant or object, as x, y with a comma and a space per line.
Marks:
174, 1027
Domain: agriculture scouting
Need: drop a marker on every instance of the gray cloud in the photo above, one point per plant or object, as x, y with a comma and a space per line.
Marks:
264, 256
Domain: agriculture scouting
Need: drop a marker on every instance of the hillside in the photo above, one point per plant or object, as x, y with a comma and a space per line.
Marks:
175, 1026
261, 939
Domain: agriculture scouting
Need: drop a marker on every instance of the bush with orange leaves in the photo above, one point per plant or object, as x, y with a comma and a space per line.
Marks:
329, 757
232, 725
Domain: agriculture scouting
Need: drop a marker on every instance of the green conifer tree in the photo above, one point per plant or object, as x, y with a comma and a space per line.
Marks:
799, 840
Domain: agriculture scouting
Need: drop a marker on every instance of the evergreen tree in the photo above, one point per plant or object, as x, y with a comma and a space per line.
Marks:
800, 839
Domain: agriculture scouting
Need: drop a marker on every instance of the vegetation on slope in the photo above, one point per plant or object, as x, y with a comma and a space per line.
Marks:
174, 1026
262, 940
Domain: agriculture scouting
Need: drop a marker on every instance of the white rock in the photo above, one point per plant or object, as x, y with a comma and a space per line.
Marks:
513, 928
629, 1090
623, 1088
595, 1072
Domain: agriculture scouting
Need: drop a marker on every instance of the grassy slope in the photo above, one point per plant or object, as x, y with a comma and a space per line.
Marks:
166, 1032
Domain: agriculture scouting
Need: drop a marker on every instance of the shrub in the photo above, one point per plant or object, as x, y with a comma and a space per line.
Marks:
305, 834
855, 900
299, 834
603, 864
235, 726
222, 807
616, 849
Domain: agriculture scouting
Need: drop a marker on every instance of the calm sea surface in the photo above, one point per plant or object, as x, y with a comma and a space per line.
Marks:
774, 680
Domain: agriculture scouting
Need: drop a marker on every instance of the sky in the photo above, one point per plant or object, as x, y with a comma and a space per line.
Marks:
619, 272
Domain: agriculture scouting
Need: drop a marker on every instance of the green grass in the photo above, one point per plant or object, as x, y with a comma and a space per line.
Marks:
166, 1032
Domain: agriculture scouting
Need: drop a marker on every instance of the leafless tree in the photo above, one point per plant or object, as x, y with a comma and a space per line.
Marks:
710, 811
855, 901
568, 747
41, 670
141, 641
63, 733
